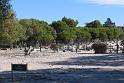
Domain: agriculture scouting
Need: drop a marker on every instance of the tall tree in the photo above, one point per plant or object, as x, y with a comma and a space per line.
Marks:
9, 26
68, 35
102, 34
37, 30
13, 31
70, 22
59, 26
94, 24
94, 33
109, 23
5, 8
82, 34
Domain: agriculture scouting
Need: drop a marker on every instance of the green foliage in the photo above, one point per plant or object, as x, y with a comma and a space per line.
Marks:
94, 24
70, 22
11, 31
109, 23
65, 30
59, 26
113, 33
5, 8
46, 34
82, 34
121, 36
94, 33
8, 23
103, 35
37, 30
69, 35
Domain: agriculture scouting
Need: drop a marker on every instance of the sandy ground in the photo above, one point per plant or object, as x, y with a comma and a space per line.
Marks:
66, 67
37, 60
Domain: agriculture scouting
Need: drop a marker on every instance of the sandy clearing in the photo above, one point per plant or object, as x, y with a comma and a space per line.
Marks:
43, 60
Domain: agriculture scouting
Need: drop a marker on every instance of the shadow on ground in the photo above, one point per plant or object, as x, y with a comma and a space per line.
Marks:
64, 76
106, 60
72, 75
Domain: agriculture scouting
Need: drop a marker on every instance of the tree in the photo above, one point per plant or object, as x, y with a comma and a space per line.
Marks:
113, 33
70, 22
68, 35
5, 8
94, 33
110, 34
87, 35
37, 30
116, 32
79, 34
45, 35
121, 36
82, 34
13, 31
9, 25
94, 24
109, 23
102, 35
59, 26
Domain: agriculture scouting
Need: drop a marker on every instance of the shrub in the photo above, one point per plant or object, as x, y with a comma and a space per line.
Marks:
99, 48
54, 47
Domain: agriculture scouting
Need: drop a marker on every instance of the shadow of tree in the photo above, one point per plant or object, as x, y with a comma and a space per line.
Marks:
105, 60
65, 76
72, 75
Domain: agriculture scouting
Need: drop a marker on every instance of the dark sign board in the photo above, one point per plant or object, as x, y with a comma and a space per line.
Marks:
19, 67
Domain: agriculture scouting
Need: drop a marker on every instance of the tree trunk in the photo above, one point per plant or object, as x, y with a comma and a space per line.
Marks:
25, 46
123, 49
117, 45
11, 46
117, 48
40, 46
22, 44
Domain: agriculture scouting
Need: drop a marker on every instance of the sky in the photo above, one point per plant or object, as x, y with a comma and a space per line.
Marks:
82, 10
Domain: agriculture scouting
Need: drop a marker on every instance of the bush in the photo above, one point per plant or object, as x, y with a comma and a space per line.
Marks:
54, 47
99, 48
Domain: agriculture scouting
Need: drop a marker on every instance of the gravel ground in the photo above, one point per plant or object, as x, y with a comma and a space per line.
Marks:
62, 67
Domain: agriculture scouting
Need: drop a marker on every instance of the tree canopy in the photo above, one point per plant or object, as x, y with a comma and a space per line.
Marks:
94, 24
65, 30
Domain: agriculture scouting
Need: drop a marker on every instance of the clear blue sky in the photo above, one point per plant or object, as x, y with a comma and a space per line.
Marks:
81, 10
